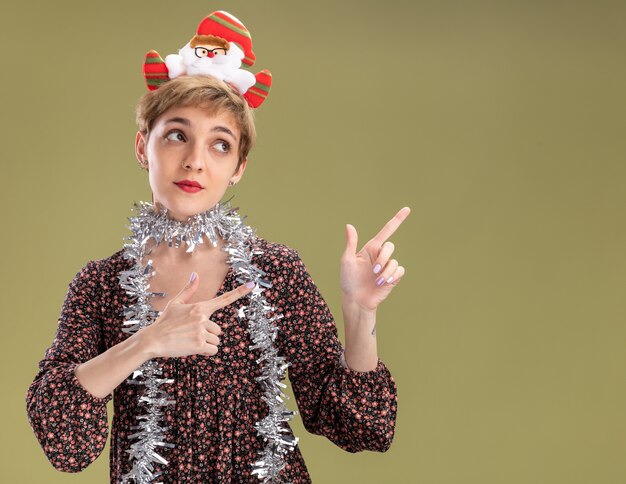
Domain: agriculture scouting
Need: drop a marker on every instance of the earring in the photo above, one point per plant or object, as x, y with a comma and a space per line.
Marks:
231, 183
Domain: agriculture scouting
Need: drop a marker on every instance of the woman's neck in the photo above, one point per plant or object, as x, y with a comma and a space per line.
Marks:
180, 255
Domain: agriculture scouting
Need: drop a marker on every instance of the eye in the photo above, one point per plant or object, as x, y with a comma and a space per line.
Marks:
175, 135
222, 146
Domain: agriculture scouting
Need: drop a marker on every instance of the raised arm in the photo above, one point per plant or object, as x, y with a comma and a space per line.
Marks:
355, 410
367, 278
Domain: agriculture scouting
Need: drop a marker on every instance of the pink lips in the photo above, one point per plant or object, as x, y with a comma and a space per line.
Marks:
189, 186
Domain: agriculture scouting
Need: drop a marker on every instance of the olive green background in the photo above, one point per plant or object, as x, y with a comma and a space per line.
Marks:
501, 124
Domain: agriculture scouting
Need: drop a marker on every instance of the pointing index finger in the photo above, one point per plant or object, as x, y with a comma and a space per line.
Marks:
228, 297
390, 227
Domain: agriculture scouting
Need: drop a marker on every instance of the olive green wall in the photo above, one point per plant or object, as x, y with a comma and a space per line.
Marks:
500, 124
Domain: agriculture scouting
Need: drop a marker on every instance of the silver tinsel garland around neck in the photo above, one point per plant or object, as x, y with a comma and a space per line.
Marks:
222, 221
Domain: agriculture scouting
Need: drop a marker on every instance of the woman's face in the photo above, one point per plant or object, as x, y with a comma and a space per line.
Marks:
188, 145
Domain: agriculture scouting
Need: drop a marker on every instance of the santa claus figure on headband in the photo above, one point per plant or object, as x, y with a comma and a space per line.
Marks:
212, 56
219, 48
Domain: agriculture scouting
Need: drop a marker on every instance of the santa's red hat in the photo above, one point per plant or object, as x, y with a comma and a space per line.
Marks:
226, 26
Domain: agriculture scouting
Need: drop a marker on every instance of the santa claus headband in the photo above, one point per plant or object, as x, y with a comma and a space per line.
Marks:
221, 44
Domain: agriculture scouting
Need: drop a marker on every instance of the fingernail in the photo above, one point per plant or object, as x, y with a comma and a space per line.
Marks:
250, 285
380, 281
377, 268
390, 280
193, 277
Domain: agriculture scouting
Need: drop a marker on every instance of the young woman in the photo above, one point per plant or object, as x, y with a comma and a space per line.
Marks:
213, 315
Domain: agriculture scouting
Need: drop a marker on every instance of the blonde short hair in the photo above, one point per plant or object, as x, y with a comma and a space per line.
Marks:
205, 92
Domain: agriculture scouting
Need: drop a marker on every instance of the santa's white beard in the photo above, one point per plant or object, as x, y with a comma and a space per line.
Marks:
205, 66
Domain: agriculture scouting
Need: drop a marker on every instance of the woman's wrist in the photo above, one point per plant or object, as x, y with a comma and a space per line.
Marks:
143, 344
355, 311
360, 330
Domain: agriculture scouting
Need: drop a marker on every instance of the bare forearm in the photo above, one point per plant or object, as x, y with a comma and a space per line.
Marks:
102, 374
360, 329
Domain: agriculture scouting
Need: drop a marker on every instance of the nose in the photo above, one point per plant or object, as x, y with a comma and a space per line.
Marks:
194, 157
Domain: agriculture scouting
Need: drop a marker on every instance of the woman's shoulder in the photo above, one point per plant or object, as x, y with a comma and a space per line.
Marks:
113, 263
274, 253
105, 267
280, 263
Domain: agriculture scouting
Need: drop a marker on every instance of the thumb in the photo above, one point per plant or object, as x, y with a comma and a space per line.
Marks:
186, 292
351, 240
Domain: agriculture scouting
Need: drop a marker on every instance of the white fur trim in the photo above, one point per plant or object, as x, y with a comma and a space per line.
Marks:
175, 65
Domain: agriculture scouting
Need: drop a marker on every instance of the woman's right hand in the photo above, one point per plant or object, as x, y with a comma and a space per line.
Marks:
186, 329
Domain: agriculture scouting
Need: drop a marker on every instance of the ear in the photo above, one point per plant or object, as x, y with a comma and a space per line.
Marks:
140, 150
239, 172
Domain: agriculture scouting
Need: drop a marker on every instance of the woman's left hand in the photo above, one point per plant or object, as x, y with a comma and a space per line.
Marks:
367, 277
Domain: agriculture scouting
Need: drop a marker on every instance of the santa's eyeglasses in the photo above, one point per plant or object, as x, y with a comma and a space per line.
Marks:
204, 52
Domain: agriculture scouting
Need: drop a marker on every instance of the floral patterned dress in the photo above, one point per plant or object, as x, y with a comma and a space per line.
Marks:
217, 397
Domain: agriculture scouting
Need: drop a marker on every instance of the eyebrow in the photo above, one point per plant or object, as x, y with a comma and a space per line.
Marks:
186, 122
